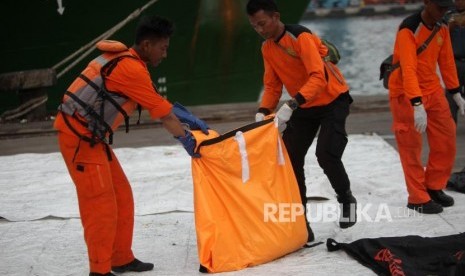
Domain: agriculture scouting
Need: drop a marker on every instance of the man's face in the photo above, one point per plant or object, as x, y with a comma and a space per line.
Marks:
154, 51
265, 24
435, 11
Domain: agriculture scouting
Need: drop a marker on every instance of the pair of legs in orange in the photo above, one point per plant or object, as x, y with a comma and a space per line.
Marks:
441, 140
106, 203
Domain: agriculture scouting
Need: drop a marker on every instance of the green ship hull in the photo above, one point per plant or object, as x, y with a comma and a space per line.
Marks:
214, 55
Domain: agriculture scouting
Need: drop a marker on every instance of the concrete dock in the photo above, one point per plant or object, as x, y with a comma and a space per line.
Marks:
369, 115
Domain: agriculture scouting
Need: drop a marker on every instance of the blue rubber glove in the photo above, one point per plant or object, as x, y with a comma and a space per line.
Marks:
188, 142
186, 117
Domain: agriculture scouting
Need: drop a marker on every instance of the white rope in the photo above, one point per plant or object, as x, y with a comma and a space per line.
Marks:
281, 160
91, 45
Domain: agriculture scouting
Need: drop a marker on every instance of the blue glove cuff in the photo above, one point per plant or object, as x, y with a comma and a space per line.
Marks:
186, 117
188, 142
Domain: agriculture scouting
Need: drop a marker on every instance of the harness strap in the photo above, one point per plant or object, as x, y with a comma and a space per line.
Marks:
81, 137
84, 123
330, 66
91, 141
105, 71
118, 107
90, 111
77, 149
423, 46
104, 94
107, 150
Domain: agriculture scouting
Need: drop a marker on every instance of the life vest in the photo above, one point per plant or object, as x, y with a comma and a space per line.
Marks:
90, 102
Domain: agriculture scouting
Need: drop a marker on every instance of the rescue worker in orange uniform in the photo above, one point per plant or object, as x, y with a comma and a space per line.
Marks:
292, 56
95, 104
418, 104
457, 36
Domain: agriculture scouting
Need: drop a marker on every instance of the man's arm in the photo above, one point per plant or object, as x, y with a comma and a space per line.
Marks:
311, 58
172, 125
273, 89
447, 64
132, 79
407, 51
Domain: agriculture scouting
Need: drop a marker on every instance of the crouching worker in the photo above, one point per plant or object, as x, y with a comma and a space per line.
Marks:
295, 57
96, 103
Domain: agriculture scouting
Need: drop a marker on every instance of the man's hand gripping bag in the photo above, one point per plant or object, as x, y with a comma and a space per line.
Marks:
246, 199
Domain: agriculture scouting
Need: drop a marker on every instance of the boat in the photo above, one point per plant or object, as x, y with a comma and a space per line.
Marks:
214, 55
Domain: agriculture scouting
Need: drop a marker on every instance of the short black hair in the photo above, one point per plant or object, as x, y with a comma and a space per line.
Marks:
153, 27
269, 6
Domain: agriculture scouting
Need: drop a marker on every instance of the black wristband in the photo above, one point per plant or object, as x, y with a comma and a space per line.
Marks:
263, 110
416, 101
454, 91
293, 104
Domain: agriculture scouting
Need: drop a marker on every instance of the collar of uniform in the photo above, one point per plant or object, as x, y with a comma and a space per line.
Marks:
426, 25
134, 53
282, 34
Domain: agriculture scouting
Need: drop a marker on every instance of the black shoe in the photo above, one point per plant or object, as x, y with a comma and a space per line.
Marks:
135, 265
311, 236
349, 210
429, 207
440, 197
100, 274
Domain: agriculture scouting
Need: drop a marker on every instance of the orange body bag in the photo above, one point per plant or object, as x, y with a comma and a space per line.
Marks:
246, 199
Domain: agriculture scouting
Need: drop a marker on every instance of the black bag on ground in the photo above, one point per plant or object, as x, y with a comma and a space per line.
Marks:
408, 255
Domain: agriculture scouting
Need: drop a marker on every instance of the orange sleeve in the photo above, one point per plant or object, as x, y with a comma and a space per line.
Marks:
132, 79
447, 63
311, 58
407, 51
273, 87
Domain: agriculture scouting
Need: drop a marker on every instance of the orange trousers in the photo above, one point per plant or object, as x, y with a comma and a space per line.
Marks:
105, 199
441, 137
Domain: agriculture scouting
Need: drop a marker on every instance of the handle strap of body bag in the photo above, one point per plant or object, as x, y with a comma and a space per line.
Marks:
425, 44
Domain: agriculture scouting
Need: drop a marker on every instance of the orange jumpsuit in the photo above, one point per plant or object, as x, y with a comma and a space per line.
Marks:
417, 81
295, 61
105, 198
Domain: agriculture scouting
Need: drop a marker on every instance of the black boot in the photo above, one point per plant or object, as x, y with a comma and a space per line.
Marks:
135, 265
100, 274
440, 197
429, 207
349, 209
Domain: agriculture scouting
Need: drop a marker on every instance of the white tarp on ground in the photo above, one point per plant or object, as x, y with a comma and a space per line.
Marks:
43, 235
